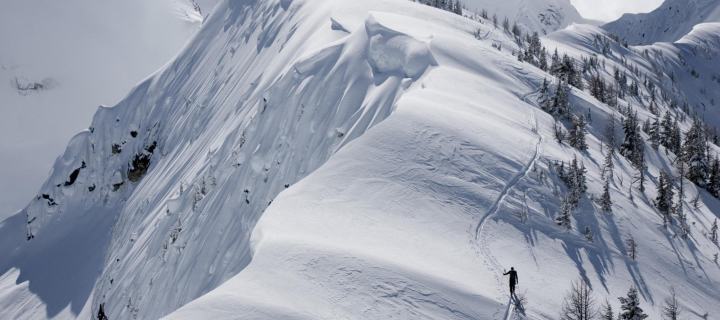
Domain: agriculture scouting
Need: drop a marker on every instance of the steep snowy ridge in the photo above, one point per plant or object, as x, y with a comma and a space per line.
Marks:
542, 16
256, 101
325, 159
668, 23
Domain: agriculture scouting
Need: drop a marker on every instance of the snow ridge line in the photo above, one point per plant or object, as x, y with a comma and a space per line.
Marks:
493, 209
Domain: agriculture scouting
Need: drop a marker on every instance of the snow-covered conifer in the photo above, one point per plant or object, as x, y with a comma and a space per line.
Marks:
631, 247
630, 306
589, 236
664, 199
564, 219
576, 137
655, 133
682, 220
558, 132
544, 100
607, 312
714, 232
693, 154
610, 133
608, 166
605, 201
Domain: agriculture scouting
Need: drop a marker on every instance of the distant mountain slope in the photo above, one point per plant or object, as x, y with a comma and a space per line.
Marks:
668, 23
544, 16
60, 60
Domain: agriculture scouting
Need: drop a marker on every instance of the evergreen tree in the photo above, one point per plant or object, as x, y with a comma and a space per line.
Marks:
632, 139
605, 201
631, 247
457, 9
589, 236
693, 154
713, 185
666, 128
682, 220
675, 138
714, 232
575, 181
630, 306
543, 65
564, 219
555, 64
608, 166
561, 101
642, 168
544, 100
664, 199
610, 133
607, 313
558, 131
576, 138
655, 133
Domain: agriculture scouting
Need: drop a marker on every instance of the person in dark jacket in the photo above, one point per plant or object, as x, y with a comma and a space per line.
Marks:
513, 279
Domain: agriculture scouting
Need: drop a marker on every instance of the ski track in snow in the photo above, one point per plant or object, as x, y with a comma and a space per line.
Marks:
493, 209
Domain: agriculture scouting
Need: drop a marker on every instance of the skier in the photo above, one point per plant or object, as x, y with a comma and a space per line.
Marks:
513, 279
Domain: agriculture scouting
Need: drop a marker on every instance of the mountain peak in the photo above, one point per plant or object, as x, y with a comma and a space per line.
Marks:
668, 23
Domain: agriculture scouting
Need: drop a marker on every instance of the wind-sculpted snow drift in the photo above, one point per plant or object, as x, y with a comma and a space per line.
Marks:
407, 147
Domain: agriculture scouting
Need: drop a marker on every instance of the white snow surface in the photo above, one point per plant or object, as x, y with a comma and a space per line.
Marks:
668, 23
342, 159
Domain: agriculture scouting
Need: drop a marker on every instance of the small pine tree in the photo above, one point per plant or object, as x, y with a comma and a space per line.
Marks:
605, 201
576, 137
664, 199
607, 313
693, 154
589, 236
544, 100
682, 220
561, 101
610, 133
558, 132
671, 307
714, 232
564, 219
630, 306
655, 133
608, 166
494, 20
631, 247
713, 185
640, 177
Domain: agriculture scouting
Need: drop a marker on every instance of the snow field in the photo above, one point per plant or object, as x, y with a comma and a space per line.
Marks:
333, 159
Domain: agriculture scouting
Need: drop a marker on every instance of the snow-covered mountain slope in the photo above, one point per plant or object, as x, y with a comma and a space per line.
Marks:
419, 217
59, 61
542, 16
668, 23
345, 159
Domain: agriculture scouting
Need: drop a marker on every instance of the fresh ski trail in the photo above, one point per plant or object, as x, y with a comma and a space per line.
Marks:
493, 209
